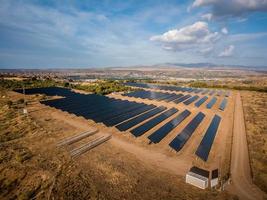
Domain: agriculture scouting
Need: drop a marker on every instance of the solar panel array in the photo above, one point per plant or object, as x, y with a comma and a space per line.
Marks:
96, 107
126, 115
174, 88
204, 148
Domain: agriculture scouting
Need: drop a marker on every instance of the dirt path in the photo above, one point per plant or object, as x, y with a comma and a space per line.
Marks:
157, 159
240, 169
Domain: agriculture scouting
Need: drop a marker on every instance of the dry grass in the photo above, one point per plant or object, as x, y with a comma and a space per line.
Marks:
31, 167
255, 110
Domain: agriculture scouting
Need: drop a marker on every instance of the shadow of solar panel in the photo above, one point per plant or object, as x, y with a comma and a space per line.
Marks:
128, 115
134, 121
211, 103
201, 101
140, 130
204, 148
182, 99
179, 141
159, 134
223, 104
192, 99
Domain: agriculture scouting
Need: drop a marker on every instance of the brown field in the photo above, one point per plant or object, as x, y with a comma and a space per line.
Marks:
255, 110
32, 167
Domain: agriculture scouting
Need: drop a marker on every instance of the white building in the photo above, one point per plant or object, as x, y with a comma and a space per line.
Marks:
198, 177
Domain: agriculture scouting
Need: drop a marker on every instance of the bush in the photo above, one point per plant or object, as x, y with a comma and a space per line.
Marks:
9, 103
20, 101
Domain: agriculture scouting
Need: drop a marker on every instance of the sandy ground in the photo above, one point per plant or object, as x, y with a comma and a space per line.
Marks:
160, 155
240, 168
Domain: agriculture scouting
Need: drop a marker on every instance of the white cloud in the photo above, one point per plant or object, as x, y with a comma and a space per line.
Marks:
207, 16
224, 30
228, 51
206, 50
221, 8
187, 37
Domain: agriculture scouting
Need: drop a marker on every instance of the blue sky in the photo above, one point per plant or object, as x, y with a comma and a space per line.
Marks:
54, 34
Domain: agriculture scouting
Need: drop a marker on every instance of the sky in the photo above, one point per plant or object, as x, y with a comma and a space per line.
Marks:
103, 33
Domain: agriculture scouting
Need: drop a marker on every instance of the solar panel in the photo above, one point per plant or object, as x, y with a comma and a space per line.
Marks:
192, 99
204, 148
134, 121
176, 96
201, 101
159, 134
179, 141
223, 104
128, 115
211, 103
164, 87
182, 99
118, 112
140, 130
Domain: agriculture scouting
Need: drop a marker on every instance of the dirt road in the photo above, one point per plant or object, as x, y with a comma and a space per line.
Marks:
240, 169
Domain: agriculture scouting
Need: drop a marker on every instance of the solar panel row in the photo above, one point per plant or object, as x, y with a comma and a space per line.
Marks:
154, 95
201, 101
136, 120
181, 99
211, 103
170, 88
223, 104
140, 130
192, 99
204, 148
179, 141
159, 134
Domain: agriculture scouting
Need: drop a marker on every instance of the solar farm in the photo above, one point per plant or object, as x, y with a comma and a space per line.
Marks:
190, 124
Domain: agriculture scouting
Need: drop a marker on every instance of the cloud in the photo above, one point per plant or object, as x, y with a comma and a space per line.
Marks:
233, 8
224, 30
207, 17
228, 51
206, 50
187, 37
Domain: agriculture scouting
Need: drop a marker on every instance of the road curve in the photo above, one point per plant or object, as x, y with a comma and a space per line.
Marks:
242, 184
